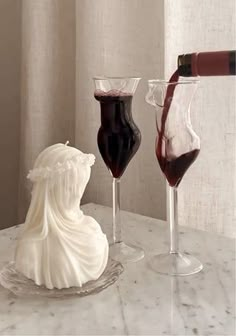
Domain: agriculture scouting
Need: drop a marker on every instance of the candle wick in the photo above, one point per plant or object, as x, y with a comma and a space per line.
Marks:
67, 142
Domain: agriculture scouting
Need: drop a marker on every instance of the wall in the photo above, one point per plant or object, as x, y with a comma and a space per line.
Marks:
208, 191
119, 38
10, 36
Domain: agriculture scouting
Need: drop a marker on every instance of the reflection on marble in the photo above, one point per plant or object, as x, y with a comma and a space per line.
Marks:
141, 302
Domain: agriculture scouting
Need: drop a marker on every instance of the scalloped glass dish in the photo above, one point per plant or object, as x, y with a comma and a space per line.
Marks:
17, 283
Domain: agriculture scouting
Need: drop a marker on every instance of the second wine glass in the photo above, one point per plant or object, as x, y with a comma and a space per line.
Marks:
118, 140
177, 147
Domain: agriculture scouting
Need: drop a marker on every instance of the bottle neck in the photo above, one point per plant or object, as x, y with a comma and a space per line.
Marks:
217, 63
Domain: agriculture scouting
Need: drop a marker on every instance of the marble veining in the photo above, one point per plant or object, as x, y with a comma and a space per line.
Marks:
141, 302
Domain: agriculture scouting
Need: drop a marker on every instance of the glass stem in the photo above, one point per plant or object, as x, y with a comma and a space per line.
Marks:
172, 215
116, 210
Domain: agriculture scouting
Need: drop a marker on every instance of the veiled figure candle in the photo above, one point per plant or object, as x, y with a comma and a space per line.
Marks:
60, 247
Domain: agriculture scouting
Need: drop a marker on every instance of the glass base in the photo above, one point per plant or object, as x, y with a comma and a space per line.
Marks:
125, 253
177, 264
17, 283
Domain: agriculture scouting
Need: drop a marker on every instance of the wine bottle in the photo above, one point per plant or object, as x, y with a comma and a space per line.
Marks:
216, 63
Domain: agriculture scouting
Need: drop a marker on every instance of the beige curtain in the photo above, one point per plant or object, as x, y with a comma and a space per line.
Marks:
47, 82
64, 43
49, 52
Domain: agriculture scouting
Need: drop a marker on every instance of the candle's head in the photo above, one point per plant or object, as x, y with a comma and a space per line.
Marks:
63, 172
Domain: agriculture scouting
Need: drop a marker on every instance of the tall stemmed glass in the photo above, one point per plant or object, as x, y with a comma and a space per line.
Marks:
177, 146
118, 141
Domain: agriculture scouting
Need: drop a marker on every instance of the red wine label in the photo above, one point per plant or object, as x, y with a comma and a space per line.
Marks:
211, 64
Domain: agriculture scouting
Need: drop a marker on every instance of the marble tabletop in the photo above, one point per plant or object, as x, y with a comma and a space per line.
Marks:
141, 302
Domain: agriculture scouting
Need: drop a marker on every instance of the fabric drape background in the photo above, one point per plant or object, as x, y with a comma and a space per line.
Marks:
47, 82
51, 49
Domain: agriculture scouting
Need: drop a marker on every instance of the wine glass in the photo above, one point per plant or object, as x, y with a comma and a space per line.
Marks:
177, 147
118, 140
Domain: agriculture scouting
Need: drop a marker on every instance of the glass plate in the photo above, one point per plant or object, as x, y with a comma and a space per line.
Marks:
17, 283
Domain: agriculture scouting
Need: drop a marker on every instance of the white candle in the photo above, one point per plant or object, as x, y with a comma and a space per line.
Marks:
60, 247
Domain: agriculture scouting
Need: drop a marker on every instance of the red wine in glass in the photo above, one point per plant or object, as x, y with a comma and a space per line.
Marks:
118, 140
177, 147
173, 168
118, 137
